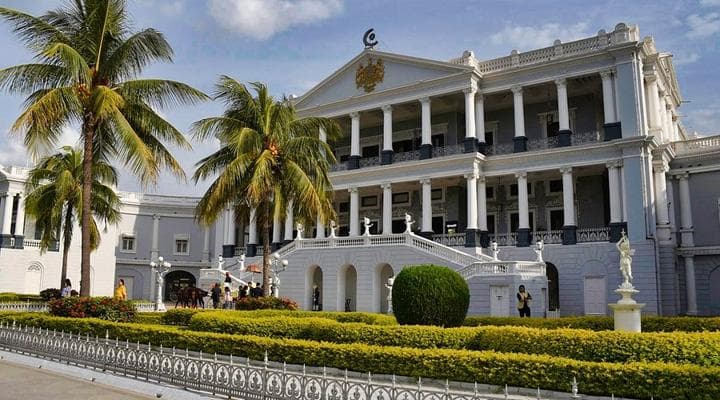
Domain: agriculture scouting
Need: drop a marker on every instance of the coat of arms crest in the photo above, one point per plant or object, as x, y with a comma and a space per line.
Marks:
368, 76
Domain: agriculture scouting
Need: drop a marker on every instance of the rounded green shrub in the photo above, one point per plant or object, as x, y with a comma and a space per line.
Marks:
430, 295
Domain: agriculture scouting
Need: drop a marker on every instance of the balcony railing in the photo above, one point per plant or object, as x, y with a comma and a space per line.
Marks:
450, 239
584, 235
601, 234
697, 146
546, 143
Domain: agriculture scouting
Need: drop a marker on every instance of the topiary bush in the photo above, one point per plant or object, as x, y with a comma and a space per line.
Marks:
50, 294
430, 295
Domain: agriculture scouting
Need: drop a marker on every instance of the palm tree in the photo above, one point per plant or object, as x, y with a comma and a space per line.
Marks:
268, 156
54, 199
85, 74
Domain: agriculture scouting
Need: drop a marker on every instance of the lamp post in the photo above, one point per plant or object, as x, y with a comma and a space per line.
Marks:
277, 266
160, 269
389, 286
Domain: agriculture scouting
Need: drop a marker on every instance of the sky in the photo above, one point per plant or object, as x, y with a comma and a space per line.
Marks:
291, 45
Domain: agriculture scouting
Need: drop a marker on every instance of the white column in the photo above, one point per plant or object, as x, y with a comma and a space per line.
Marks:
426, 205
426, 121
672, 204
686, 225
231, 229
523, 212
387, 128
480, 117
519, 111
206, 244
482, 204
20, 217
562, 99
614, 189
387, 208
319, 228
154, 249
469, 112
355, 134
7, 214
472, 203
354, 211
690, 290
252, 228
653, 102
668, 119
608, 96
568, 197
225, 226
662, 216
289, 222
277, 229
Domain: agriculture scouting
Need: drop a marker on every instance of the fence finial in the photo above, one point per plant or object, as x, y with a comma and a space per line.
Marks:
505, 392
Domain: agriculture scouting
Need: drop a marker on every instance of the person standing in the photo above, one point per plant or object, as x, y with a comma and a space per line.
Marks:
67, 288
228, 280
523, 304
228, 299
121, 291
215, 293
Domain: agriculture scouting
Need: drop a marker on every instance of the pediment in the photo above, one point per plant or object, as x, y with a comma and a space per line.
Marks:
379, 71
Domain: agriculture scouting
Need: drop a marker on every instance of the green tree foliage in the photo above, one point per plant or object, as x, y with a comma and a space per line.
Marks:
430, 295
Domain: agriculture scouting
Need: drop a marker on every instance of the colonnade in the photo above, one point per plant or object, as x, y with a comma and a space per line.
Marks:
12, 206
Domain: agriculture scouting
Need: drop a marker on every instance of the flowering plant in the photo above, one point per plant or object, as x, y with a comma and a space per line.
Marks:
107, 308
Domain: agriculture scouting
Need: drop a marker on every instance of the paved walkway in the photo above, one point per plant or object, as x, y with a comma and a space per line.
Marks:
22, 382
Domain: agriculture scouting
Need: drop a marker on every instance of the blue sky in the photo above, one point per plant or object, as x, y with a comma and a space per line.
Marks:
291, 45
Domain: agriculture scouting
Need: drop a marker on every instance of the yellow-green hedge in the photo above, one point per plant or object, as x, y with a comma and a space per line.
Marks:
649, 323
636, 380
181, 316
693, 348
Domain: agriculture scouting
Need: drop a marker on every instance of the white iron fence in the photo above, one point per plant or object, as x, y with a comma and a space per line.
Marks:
24, 307
223, 375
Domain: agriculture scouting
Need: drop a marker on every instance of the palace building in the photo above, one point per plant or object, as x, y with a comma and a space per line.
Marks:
570, 145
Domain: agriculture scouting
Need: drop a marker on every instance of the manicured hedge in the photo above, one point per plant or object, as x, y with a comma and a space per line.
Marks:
693, 348
108, 308
635, 379
181, 316
151, 318
9, 297
649, 323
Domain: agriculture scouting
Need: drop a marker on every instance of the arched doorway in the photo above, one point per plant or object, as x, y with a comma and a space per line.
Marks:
174, 281
33, 278
551, 273
714, 294
382, 273
315, 290
347, 288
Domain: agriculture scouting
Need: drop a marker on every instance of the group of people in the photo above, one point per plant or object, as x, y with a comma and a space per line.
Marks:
224, 296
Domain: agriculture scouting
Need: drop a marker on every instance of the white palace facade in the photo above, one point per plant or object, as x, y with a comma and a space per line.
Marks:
570, 145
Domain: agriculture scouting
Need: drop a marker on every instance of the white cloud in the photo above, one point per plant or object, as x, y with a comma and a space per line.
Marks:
704, 120
529, 37
12, 151
703, 25
710, 3
685, 58
261, 19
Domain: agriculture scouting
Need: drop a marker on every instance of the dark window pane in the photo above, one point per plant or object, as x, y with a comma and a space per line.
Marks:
438, 140
370, 151
436, 194
403, 146
491, 223
556, 186
401, 198
552, 129
344, 207
438, 224
343, 231
398, 226
369, 201
490, 192
489, 140
556, 219
513, 190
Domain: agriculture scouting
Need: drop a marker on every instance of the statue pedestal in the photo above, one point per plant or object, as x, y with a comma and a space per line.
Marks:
627, 311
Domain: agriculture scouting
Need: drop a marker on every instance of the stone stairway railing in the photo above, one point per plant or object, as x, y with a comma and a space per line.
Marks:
493, 268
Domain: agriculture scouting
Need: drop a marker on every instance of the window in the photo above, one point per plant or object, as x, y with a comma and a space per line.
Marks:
182, 245
437, 140
438, 224
127, 243
436, 194
343, 207
489, 192
401, 198
490, 138
515, 221
398, 226
556, 186
403, 146
370, 151
514, 190
556, 218
491, 223
369, 202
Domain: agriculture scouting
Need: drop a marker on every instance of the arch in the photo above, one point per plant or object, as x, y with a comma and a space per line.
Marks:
553, 282
175, 281
714, 281
383, 272
314, 280
34, 278
347, 288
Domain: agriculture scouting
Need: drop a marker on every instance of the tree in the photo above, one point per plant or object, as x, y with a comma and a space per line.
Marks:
54, 199
268, 156
87, 62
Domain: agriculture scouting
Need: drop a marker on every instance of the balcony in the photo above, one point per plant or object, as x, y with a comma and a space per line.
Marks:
710, 144
584, 235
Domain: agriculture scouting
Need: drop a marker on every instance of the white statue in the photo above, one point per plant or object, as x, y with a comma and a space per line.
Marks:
389, 286
333, 227
300, 230
539, 246
408, 223
275, 285
495, 251
626, 253
368, 225
220, 263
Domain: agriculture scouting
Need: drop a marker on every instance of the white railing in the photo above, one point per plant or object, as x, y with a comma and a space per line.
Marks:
31, 243
504, 239
548, 237
593, 234
450, 239
697, 146
523, 268
24, 306
411, 240
242, 378
145, 306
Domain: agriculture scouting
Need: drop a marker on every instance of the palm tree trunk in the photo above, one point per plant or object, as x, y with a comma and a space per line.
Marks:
88, 130
67, 238
266, 252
